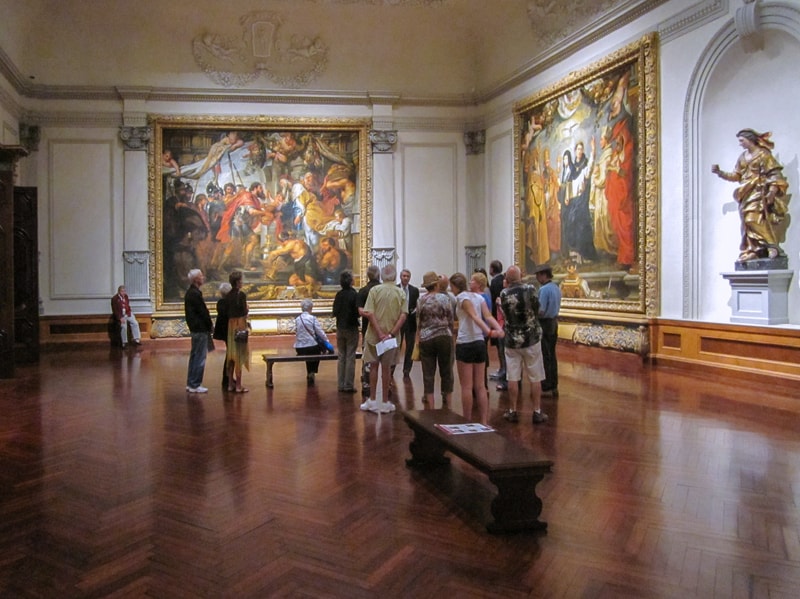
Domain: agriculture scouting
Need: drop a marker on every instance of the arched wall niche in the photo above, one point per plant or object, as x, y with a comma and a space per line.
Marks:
733, 88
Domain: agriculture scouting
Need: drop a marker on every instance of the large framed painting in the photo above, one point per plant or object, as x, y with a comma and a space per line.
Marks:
285, 201
586, 182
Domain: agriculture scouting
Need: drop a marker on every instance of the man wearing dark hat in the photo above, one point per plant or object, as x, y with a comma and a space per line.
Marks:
549, 307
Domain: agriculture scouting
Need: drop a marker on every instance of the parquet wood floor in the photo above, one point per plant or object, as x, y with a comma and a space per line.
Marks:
115, 483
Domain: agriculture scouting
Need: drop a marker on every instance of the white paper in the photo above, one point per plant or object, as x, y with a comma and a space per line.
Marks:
383, 346
464, 429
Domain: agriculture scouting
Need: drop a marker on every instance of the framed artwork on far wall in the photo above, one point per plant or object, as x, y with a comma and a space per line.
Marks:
285, 201
586, 182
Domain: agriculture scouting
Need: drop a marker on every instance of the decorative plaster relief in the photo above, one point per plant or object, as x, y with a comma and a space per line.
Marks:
29, 137
382, 141
236, 62
555, 19
383, 2
135, 138
475, 141
748, 26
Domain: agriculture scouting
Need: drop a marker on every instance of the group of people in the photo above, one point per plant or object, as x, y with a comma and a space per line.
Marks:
451, 320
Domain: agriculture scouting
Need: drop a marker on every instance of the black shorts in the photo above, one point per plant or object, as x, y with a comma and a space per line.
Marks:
473, 352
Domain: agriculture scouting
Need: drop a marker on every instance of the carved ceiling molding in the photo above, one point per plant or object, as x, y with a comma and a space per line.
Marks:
73, 119
381, 2
696, 16
237, 62
554, 20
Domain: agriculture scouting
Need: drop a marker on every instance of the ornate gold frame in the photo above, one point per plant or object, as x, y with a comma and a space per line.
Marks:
287, 299
533, 116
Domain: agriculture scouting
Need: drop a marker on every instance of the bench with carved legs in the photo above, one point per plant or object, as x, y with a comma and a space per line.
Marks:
272, 358
515, 470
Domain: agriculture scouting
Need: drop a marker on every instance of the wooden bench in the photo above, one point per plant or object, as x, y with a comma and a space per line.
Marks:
272, 358
515, 470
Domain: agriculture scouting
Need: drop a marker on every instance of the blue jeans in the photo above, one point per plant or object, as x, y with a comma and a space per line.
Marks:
197, 360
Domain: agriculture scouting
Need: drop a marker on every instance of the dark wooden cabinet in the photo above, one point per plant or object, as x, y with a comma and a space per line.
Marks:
8, 160
26, 276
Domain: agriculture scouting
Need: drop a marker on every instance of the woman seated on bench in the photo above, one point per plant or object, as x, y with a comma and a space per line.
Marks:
307, 331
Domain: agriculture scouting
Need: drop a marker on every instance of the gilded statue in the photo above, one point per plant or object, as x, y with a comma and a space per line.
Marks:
761, 196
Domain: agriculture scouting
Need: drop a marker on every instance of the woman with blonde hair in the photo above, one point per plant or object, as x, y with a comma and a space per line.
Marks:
475, 323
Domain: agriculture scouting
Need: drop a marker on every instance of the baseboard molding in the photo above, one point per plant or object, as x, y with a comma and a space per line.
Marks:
771, 353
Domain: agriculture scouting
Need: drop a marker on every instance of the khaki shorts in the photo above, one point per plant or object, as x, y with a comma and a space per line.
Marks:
371, 355
527, 358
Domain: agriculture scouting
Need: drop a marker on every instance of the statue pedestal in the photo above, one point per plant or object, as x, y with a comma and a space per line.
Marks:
760, 296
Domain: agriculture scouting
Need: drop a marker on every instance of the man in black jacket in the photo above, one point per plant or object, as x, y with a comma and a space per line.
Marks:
409, 330
199, 322
495, 287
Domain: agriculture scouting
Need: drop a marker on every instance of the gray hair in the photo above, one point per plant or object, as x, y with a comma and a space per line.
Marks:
306, 305
373, 272
193, 274
224, 289
388, 273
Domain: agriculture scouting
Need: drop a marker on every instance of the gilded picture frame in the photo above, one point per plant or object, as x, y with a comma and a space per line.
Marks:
286, 201
586, 183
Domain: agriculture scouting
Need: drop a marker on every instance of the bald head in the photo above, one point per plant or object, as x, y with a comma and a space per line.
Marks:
513, 275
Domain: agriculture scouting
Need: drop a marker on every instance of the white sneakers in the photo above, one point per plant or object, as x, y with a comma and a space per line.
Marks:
199, 389
369, 406
379, 407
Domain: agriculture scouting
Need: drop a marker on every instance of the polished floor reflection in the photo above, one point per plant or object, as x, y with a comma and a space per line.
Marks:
115, 482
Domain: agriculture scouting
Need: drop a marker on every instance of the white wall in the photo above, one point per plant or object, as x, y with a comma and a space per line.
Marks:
81, 216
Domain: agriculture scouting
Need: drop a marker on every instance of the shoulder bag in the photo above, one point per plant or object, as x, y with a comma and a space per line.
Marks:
323, 346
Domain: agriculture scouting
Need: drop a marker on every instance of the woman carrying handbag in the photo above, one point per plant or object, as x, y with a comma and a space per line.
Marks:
309, 337
237, 353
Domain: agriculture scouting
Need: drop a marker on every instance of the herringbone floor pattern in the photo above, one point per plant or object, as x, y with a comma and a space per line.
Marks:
115, 483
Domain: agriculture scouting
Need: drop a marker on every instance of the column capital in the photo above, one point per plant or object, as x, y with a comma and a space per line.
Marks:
30, 136
383, 141
135, 138
475, 141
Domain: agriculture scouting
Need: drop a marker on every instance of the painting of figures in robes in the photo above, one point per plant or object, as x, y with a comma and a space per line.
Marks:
284, 202
584, 187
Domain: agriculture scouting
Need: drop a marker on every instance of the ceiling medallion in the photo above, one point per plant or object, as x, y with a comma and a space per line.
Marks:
236, 62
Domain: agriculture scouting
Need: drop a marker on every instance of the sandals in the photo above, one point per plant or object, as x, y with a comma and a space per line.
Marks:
242, 390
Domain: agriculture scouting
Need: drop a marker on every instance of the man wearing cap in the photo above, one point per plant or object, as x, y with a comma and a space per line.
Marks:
520, 305
549, 307
435, 319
